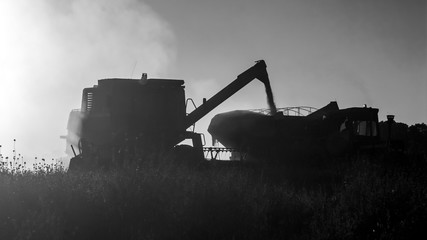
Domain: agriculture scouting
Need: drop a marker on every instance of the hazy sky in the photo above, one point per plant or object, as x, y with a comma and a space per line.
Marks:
355, 52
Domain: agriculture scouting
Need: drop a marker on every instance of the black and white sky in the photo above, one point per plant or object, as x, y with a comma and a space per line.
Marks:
354, 52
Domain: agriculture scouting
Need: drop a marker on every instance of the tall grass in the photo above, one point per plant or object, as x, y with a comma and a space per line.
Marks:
166, 200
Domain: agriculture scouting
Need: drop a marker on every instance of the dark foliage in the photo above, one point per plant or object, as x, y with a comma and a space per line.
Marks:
359, 199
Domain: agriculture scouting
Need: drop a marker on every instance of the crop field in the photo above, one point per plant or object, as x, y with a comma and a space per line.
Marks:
361, 198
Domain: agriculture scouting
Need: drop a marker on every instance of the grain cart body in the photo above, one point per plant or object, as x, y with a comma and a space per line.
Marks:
328, 131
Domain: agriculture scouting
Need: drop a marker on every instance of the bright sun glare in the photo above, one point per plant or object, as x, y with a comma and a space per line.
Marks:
51, 50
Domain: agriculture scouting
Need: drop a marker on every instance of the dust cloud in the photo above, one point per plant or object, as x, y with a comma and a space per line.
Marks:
51, 50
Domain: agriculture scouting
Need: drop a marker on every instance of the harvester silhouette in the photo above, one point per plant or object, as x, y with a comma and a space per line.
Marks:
140, 116
132, 118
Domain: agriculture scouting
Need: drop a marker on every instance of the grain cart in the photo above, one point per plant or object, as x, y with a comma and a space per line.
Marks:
127, 118
327, 132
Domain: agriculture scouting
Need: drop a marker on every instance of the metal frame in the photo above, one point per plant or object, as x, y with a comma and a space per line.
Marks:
289, 111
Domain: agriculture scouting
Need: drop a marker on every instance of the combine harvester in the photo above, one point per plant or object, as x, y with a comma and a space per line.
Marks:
132, 118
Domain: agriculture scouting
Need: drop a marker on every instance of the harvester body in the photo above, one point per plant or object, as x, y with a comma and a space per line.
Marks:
120, 109
118, 116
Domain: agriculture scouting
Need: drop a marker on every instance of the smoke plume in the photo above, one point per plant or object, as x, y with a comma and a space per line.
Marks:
52, 49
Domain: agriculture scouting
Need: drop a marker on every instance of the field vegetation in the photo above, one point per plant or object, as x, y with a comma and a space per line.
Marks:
360, 198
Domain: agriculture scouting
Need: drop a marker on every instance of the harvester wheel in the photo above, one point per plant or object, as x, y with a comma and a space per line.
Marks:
80, 163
